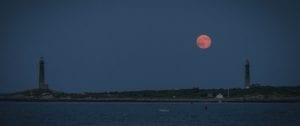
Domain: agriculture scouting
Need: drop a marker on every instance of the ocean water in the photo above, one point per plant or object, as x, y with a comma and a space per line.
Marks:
148, 114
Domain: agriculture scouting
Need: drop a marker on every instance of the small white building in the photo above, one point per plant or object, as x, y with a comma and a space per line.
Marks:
219, 96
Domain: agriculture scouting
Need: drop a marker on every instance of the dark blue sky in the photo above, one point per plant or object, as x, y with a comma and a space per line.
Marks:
117, 45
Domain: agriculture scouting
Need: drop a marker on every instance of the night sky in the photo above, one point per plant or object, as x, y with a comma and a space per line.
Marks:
120, 45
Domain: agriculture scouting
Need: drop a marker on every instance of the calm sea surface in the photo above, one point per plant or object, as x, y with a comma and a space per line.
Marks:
148, 114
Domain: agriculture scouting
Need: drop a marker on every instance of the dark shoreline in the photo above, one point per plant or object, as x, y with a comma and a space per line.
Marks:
259, 94
160, 100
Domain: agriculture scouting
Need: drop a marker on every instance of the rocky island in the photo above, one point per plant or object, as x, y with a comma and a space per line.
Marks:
254, 94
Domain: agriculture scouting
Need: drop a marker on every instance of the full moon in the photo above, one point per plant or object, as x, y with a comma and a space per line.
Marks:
203, 41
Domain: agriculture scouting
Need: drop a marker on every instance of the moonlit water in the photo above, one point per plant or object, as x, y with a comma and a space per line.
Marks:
148, 114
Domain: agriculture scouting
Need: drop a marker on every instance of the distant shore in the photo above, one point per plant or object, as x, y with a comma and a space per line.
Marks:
260, 94
237, 100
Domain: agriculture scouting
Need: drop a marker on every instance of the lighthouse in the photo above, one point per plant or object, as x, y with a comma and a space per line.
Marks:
42, 83
247, 75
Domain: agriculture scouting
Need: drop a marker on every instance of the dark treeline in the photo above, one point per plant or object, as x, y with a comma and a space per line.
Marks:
194, 93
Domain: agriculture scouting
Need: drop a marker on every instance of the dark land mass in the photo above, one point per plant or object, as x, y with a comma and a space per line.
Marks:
254, 94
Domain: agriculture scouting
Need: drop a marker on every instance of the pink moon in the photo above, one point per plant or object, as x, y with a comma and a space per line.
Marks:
203, 41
